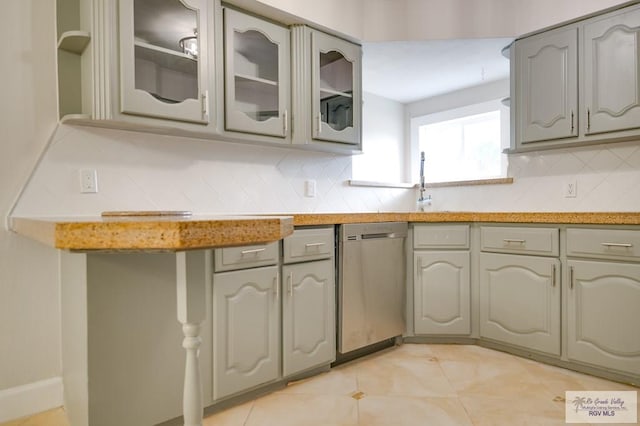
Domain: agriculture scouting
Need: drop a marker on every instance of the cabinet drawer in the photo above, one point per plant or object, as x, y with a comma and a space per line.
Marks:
537, 241
308, 244
231, 258
603, 243
441, 236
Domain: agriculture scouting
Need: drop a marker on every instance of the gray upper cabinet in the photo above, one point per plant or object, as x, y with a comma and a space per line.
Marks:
163, 59
612, 72
335, 91
580, 83
196, 68
327, 88
257, 75
547, 67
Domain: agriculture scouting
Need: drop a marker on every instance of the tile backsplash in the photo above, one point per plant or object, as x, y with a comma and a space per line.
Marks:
138, 171
607, 178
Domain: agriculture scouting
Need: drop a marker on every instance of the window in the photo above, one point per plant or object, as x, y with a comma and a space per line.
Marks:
464, 143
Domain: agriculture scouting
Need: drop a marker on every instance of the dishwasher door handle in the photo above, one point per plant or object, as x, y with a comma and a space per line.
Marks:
378, 236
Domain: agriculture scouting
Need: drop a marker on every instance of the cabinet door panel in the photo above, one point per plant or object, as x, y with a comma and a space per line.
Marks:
336, 95
442, 293
257, 75
603, 314
246, 323
520, 301
547, 98
158, 77
308, 315
612, 72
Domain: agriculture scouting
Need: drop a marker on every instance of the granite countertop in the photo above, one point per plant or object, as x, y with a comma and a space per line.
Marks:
598, 218
165, 232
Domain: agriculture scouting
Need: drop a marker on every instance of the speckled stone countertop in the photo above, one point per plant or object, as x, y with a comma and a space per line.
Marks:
195, 232
153, 232
600, 218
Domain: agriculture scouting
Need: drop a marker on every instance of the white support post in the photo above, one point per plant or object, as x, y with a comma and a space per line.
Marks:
191, 288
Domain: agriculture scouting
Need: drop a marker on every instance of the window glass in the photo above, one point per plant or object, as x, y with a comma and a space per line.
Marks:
462, 144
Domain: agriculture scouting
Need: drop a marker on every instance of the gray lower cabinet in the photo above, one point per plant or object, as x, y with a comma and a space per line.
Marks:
603, 298
246, 329
442, 299
604, 314
441, 280
520, 301
308, 315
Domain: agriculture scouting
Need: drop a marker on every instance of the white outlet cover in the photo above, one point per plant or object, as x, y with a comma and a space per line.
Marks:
571, 189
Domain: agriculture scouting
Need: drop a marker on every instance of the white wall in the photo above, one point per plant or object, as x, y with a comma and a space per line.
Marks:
386, 20
29, 291
383, 141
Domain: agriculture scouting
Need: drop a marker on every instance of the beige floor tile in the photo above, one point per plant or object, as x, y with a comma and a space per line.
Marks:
391, 374
55, 417
235, 416
411, 411
304, 410
517, 410
503, 378
339, 381
559, 380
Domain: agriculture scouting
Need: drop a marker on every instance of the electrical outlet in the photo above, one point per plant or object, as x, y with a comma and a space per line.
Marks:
310, 188
88, 181
571, 189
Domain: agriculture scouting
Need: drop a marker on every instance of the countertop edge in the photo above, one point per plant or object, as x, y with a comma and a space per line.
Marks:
202, 232
153, 234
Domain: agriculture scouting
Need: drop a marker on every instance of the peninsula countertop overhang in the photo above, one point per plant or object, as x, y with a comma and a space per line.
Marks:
174, 233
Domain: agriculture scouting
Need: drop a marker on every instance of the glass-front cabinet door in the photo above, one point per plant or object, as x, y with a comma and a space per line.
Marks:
257, 75
336, 97
163, 59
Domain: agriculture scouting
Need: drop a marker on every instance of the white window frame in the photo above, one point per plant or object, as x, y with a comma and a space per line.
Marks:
452, 114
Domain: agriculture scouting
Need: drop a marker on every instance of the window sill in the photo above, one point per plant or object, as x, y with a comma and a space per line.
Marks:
373, 184
496, 181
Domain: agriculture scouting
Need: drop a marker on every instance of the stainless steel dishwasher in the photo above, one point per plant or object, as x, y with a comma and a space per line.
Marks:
371, 284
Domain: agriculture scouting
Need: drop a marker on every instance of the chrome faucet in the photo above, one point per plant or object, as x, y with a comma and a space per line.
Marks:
423, 201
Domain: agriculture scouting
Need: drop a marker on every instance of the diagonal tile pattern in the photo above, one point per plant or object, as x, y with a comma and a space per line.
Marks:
411, 385
422, 385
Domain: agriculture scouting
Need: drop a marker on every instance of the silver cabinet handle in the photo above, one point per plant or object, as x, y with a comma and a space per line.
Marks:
512, 240
588, 119
553, 275
285, 124
571, 277
205, 105
309, 245
275, 282
253, 251
290, 279
626, 245
572, 126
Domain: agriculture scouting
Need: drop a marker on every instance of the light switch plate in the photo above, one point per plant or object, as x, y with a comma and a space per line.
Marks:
310, 188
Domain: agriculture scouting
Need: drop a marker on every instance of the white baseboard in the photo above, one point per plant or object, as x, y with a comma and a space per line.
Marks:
30, 399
